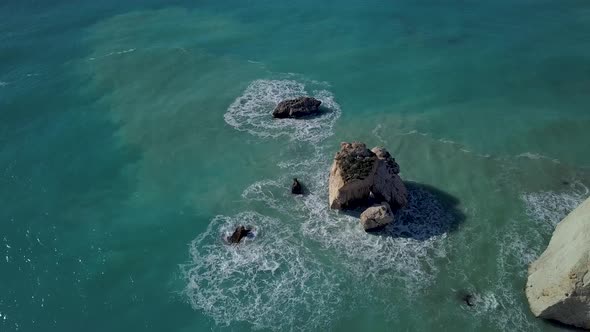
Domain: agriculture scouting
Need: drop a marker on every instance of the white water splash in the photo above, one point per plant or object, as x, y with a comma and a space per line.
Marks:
252, 111
548, 208
272, 282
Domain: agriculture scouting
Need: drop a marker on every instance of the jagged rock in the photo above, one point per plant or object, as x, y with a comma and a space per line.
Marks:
558, 285
387, 184
357, 173
297, 108
376, 217
238, 234
296, 187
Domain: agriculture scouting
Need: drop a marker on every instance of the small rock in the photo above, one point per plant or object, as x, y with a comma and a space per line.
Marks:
296, 188
376, 217
469, 299
238, 234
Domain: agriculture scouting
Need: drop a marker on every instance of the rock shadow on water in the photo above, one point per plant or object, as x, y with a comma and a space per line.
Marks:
430, 212
561, 326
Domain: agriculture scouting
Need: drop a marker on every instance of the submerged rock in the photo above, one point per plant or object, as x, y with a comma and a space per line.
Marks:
468, 299
558, 285
358, 173
238, 234
296, 187
297, 108
376, 217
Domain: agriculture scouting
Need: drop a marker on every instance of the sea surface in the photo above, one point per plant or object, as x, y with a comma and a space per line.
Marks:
134, 135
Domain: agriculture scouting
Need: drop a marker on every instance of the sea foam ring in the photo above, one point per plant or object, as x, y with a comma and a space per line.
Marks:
252, 111
271, 281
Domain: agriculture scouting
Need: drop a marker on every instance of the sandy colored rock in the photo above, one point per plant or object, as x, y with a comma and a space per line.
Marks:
376, 217
558, 285
358, 172
387, 184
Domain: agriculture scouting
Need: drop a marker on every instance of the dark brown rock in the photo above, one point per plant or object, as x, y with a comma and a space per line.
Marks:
468, 299
296, 187
238, 234
297, 108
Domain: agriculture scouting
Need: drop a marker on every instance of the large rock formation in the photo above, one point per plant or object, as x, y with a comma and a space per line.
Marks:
358, 173
297, 108
558, 285
376, 217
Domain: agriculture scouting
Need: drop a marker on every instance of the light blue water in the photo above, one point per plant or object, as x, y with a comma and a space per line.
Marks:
135, 134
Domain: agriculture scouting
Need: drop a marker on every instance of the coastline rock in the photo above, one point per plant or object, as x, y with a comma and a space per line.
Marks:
376, 217
558, 285
297, 108
296, 187
238, 234
358, 173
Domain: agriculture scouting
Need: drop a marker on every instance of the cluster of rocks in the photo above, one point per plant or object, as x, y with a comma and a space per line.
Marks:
558, 286
363, 178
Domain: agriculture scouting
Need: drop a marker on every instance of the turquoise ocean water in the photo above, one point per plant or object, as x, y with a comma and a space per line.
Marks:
135, 134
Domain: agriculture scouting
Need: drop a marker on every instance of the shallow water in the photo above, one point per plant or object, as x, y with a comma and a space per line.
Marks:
136, 134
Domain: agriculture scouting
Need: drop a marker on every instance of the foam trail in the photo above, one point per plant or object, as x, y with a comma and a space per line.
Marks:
271, 281
112, 53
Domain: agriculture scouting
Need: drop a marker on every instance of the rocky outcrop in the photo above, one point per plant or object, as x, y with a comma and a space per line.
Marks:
558, 285
297, 108
358, 173
296, 188
376, 217
238, 234
387, 184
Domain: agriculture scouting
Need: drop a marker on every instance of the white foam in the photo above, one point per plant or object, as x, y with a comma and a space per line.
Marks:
266, 191
502, 308
2, 84
113, 53
271, 281
537, 156
518, 249
404, 252
375, 133
548, 208
252, 111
